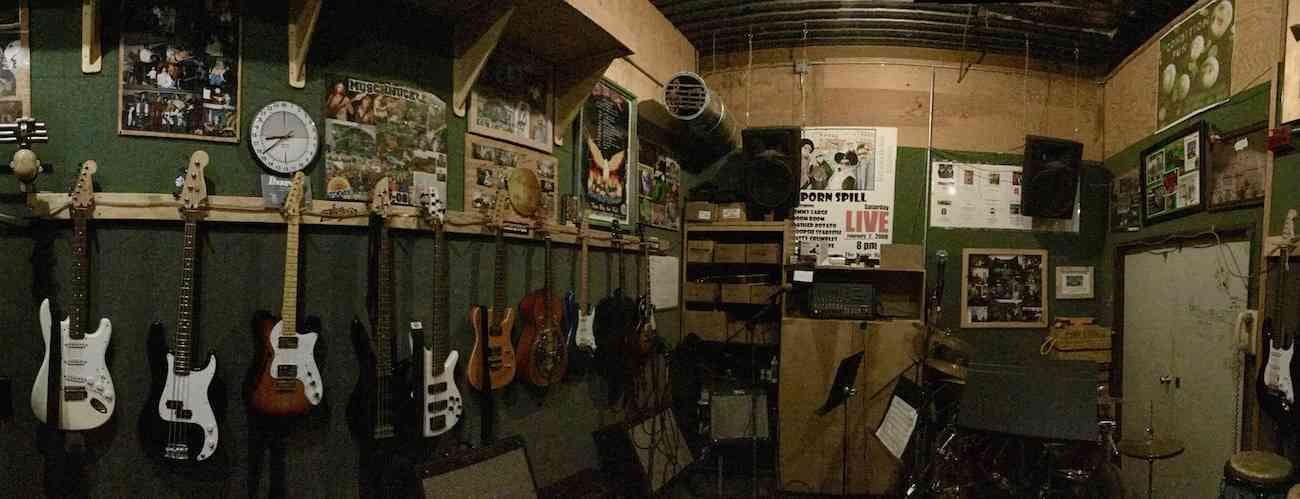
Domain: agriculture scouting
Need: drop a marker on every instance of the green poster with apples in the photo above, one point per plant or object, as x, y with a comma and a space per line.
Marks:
1196, 63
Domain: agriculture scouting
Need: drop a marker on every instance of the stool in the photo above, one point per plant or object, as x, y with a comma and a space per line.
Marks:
1256, 475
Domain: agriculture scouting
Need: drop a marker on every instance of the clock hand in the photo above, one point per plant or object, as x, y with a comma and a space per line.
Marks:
272, 146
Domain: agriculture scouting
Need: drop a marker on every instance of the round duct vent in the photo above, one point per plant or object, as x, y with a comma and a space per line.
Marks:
686, 96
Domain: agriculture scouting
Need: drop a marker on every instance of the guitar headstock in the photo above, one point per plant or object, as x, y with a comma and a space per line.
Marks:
293, 200
194, 189
82, 195
381, 197
432, 208
500, 209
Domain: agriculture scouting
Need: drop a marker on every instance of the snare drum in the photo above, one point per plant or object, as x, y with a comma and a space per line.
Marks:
1255, 475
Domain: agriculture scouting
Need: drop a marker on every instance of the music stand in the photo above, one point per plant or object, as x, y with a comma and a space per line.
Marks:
841, 390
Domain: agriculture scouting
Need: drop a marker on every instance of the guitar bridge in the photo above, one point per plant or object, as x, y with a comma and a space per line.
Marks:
285, 385
178, 452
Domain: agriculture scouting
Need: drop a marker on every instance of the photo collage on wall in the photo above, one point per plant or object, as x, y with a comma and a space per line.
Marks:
377, 129
1004, 288
15, 65
1172, 174
527, 179
511, 100
180, 70
660, 186
1126, 202
607, 139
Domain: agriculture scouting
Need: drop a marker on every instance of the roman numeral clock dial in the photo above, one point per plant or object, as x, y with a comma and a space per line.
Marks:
284, 137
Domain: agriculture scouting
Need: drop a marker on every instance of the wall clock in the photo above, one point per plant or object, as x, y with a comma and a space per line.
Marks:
284, 137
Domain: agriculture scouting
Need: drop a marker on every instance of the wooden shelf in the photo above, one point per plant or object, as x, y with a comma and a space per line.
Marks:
852, 268
243, 209
738, 227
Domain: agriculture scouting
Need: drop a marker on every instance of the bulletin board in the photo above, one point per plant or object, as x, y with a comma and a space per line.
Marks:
983, 196
1173, 175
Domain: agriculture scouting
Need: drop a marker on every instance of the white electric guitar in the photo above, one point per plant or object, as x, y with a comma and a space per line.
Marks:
86, 398
189, 426
442, 405
584, 333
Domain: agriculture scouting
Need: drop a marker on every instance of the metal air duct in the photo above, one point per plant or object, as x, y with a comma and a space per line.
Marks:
689, 99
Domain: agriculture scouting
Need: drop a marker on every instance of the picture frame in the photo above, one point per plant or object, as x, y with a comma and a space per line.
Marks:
607, 146
1289, 101
1126, 202
659, 177
1004, 288
1074, 283
15, 65
513, 100
1238, 162
1172, 174
178, 84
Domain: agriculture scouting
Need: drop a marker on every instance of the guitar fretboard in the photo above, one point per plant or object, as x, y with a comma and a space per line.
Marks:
77, 306
384, 319
289, 309
547, 313
499, 295
440, 300
182, 341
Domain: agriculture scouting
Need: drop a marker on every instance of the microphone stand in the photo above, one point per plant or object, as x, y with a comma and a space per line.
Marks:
934, 313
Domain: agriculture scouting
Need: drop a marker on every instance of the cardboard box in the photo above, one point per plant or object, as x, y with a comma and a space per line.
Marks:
902, 256
736, 293
707, 324
762, 293
729, 253
701, 211
702, 292
699, 251
732, 212
763, 253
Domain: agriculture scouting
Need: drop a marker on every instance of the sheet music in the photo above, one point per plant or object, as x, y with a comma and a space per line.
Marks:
896, 429
665, 279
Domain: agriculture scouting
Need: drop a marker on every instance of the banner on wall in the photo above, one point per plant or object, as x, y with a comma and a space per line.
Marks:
983, 196
846, 197
1195, 71
607, 143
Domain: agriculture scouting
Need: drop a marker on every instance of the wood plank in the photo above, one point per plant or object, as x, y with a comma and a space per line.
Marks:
573, 84
242, 209
476, 37
302, 25
92, 54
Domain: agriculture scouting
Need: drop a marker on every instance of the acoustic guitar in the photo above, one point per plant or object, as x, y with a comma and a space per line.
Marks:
542, 351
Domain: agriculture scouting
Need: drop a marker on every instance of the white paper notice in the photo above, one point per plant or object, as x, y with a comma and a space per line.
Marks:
896, 429
665, 274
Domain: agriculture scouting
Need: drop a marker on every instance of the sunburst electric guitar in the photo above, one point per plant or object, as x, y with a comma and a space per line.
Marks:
288, 383
82, 387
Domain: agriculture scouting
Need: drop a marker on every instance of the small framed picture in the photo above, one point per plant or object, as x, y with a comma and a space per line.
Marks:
1073, 283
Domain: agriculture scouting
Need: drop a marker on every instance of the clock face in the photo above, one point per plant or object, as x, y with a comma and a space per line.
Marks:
284, 137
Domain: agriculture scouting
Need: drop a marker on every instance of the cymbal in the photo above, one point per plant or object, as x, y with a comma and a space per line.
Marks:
956, 373
525, 191
1159, 448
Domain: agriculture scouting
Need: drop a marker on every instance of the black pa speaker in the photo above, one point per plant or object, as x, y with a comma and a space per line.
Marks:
771, 170
1051, 177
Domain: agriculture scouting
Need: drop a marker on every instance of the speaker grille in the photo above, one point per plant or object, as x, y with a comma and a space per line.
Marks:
686, 96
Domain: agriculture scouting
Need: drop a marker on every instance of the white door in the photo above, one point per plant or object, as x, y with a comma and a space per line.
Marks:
1182, 371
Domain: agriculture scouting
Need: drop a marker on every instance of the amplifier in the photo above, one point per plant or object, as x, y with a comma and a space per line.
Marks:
842, 300
730, 411
462, 475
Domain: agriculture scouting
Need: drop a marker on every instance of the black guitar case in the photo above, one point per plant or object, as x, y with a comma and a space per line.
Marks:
615, 318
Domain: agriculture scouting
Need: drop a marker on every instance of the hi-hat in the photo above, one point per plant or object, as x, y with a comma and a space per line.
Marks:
1149, 449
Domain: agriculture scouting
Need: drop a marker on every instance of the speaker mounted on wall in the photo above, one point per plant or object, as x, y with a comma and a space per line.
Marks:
1051, 177
771, 170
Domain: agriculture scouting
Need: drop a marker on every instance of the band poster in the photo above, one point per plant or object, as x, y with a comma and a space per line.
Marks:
660, 190
1195, 71
607, 139
375, 130
976, 196
846, 197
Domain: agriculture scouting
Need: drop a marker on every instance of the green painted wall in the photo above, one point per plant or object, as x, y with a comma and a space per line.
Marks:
135, 277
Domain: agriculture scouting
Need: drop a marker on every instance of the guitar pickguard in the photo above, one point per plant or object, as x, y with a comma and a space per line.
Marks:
442, 402
294, 361
88, 395
1277, 374
185, 401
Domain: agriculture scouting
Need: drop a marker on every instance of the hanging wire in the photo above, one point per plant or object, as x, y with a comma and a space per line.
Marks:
714, 55
1026, 86
1075, 100
749, 77
803, 75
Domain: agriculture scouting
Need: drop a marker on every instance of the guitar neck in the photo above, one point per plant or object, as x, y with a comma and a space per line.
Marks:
499, 293
289, 309
441, 304
547, 313
77, 306
384, 310
582, 278
182, 341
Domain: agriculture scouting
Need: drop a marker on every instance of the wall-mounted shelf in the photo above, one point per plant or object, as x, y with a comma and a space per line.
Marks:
853, 268
243, 209
552, 30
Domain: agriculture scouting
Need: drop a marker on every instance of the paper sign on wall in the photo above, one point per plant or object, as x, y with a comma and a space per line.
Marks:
846, 197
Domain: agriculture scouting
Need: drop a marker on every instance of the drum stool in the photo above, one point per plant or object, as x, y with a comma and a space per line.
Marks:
1256, 475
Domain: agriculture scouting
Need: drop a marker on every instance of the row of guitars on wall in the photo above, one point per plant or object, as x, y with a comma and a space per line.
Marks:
74, 389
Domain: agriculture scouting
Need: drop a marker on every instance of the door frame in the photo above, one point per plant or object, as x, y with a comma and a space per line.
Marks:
1235, 233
